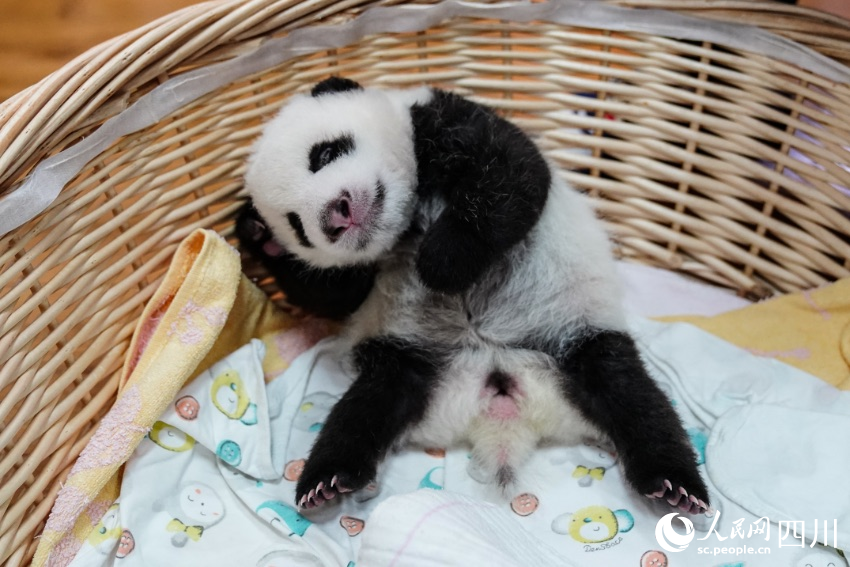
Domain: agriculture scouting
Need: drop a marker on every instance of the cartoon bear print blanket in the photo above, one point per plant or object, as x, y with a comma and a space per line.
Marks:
213, 482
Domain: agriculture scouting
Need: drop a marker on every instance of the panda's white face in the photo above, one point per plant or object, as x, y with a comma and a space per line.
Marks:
334, 176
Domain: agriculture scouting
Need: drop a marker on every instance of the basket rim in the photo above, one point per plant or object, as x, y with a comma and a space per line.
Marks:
43, 184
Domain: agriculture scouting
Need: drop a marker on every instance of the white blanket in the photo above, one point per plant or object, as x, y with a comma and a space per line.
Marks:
213, 484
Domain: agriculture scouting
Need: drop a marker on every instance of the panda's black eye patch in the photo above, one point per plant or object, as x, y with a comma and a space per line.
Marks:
323, 153
295, 223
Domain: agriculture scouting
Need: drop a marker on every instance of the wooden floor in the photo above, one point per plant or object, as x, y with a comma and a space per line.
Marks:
39, 36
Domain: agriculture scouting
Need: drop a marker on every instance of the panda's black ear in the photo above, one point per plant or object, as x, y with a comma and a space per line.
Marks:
335, 85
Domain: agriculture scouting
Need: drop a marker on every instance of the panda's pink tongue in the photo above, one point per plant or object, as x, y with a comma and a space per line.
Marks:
272, 248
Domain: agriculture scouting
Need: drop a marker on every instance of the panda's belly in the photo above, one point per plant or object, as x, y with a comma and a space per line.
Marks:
500, 401
498, 398
497, 312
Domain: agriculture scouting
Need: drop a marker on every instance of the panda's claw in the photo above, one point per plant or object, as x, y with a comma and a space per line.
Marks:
673, 499
666, 486
323, 491
690, 505
678, 497
687, 505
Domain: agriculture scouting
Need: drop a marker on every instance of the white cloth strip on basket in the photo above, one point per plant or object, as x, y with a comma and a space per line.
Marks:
41, 187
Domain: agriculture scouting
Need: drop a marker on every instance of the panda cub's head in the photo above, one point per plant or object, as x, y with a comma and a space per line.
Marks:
334, 173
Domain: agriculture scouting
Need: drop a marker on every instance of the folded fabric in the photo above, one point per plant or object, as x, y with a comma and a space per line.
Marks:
653, 292
809, 330
201, 487
434, 528
204, 309
777, 444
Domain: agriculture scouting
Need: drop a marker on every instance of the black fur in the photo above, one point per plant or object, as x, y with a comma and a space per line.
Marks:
606, 380
391, 393
334, 293
495, 183
493, 178
296, 224
501, 382
335, 85
326, 152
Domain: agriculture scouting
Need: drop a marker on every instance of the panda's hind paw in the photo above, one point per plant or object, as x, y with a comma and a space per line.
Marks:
677, 496
323, 492
328, 474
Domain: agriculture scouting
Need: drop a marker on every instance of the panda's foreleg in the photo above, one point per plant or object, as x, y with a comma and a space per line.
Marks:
334, 292
396, 378
606, 380
474, 232
494, 182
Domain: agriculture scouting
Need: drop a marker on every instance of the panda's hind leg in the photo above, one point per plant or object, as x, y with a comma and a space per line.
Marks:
604, 377
396, 379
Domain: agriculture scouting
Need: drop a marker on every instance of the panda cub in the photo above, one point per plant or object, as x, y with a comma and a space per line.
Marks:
480, 292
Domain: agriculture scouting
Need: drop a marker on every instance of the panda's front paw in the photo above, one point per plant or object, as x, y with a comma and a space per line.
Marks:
452, 256
323, 479
254, 235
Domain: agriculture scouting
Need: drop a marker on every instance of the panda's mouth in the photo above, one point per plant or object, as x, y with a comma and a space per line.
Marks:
353, 217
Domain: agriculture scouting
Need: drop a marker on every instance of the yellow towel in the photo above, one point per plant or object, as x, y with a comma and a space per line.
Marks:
182, 331
809, 330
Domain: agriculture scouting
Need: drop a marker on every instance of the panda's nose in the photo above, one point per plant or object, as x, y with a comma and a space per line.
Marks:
337, 217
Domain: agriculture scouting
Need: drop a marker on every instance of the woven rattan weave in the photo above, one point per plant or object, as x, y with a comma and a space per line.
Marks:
726, 165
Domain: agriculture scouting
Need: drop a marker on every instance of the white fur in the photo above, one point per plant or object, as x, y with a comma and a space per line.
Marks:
563, 279
280, 182
564, 282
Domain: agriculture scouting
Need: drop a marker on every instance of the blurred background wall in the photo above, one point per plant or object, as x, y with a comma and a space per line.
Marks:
39, 36
840, 7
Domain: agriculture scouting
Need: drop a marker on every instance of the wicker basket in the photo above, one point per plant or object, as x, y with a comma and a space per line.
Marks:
724, 164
